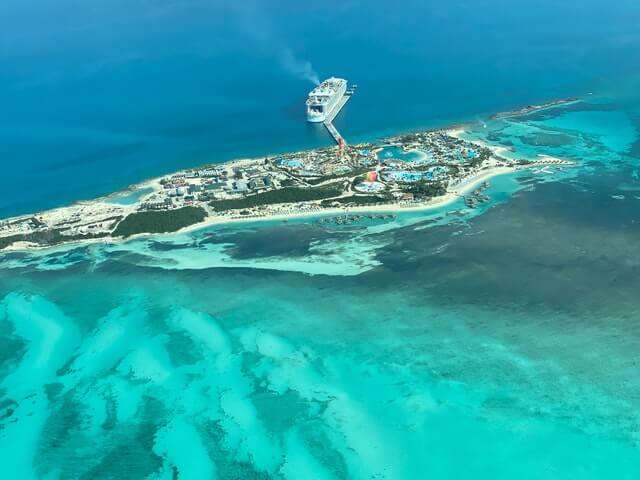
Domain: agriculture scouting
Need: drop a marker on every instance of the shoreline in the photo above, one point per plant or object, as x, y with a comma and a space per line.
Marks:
498, 150
104, 209
149, 181
450, 197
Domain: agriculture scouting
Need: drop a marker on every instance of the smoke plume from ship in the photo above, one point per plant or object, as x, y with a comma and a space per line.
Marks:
297, 67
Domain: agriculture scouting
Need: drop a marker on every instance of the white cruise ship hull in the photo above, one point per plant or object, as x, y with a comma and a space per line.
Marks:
324, 98
315, 118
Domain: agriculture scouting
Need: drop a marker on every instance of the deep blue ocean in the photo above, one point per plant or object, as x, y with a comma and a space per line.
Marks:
453, 343
98, 95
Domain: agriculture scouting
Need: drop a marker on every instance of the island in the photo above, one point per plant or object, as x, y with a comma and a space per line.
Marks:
418, 170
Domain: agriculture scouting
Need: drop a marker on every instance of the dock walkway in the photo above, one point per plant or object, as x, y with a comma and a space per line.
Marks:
335, 133
328, 123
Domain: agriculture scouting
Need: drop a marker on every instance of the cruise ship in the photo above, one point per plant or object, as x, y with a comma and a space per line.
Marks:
324, 97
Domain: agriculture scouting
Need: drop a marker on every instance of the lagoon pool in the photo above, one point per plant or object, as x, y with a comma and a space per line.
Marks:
396, 153
410, 177
292, 163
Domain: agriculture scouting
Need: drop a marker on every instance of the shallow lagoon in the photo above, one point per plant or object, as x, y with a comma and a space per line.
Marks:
130, 198
413, 157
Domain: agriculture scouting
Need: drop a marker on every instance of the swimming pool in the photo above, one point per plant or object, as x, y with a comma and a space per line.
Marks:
414, 156
406, 176
291, 163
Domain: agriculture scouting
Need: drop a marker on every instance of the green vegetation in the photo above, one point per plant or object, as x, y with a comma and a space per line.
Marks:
7, 241
356, 200
483, 155
408, 138
53, 237
452, 168
205, 197
283, 195
425, 189
358, 171
357, 180
47, 238
160, 222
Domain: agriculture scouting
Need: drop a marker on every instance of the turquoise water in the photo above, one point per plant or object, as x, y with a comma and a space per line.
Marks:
107, 93
292, 163
492, 343
411, 177
416, 157
130, 198
594, 133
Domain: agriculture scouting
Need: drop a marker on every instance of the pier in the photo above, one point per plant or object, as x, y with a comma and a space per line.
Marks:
335, 133
328, 123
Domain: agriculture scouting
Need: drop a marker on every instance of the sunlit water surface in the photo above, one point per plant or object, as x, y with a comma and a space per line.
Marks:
497, 343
